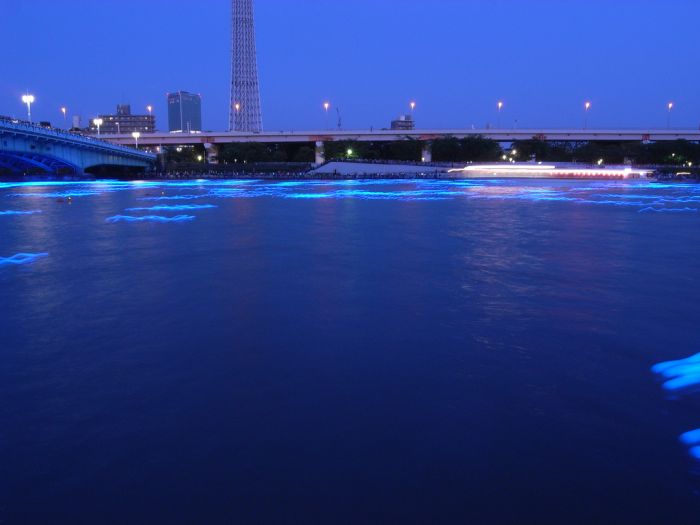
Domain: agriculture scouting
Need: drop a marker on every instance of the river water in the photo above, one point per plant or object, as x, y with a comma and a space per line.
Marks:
350, 352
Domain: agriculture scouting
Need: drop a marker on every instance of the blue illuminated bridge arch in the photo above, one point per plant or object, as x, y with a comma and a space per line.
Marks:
27, 148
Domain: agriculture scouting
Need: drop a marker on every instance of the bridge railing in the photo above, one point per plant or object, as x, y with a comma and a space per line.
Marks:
69, 136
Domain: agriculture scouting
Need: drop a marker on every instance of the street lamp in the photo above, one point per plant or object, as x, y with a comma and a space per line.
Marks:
64, 110
670, 106
136, 136
98, 122
237, 108
500, 108
587, 108
326, 107
149, 109
28, 100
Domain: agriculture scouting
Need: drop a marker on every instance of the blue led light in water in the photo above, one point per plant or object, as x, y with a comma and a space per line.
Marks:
183, 207
174, 198
150, 218
660, 368
58, 195
681, 370
12, 212
668, 210
683, 383
22, 258
691, 438
683, 375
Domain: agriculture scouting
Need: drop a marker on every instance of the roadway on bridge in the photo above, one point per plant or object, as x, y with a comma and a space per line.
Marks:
500, 135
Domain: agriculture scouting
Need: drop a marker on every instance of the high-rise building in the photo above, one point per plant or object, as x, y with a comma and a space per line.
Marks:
245, 113
124, 122
184, 112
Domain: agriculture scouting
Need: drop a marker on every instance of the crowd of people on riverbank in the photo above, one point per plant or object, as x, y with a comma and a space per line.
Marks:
281, 175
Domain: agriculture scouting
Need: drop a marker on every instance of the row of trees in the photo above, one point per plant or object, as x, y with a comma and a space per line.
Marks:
473, 149
675, 153
242, 153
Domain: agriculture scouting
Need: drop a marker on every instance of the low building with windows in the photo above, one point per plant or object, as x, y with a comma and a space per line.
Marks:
124, 123
404, 122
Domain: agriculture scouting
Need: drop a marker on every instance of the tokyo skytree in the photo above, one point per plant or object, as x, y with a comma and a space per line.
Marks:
245, 113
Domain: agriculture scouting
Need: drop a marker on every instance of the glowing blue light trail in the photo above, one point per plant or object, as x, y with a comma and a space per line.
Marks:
22, 258
150, 218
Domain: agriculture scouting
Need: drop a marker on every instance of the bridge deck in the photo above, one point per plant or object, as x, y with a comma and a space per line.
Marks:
501, 135
35, 132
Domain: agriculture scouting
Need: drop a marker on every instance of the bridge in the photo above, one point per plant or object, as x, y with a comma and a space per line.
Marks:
211, 140
26, 148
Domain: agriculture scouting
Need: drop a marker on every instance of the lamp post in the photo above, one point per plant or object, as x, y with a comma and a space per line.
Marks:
150, 110
28, 100
500, 108
326, 107
98, 122
136, 136
64, 110
670, 106
587, 108
119, 128
237, 108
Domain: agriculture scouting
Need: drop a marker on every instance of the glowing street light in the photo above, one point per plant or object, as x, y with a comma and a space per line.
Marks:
98, 122
500, 108
413, 106
64, 110
587, 107
136, 136
28, 100
326, 107
670, 106
237, 109
149, 109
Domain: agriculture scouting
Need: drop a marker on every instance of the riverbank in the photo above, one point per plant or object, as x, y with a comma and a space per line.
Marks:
378, 170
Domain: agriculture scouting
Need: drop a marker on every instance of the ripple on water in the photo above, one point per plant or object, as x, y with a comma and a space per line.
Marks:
14, 212
183, 207
150, 218
21, 258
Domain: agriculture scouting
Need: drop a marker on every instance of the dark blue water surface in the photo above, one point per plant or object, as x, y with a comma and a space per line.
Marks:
360, 353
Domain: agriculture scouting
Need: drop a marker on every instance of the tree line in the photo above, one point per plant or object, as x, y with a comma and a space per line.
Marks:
471, 149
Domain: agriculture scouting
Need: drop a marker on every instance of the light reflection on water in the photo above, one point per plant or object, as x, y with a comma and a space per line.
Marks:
640, 195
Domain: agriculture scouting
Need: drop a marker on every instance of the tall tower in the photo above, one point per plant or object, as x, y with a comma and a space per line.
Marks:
245, 114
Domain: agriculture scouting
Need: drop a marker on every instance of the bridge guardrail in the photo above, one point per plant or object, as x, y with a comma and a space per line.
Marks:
71, 137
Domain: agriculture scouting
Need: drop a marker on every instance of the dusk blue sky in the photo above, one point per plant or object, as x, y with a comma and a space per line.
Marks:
456, 58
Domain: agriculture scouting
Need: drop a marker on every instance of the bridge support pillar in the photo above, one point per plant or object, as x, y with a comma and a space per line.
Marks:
427, 152
320, 153
212, 151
